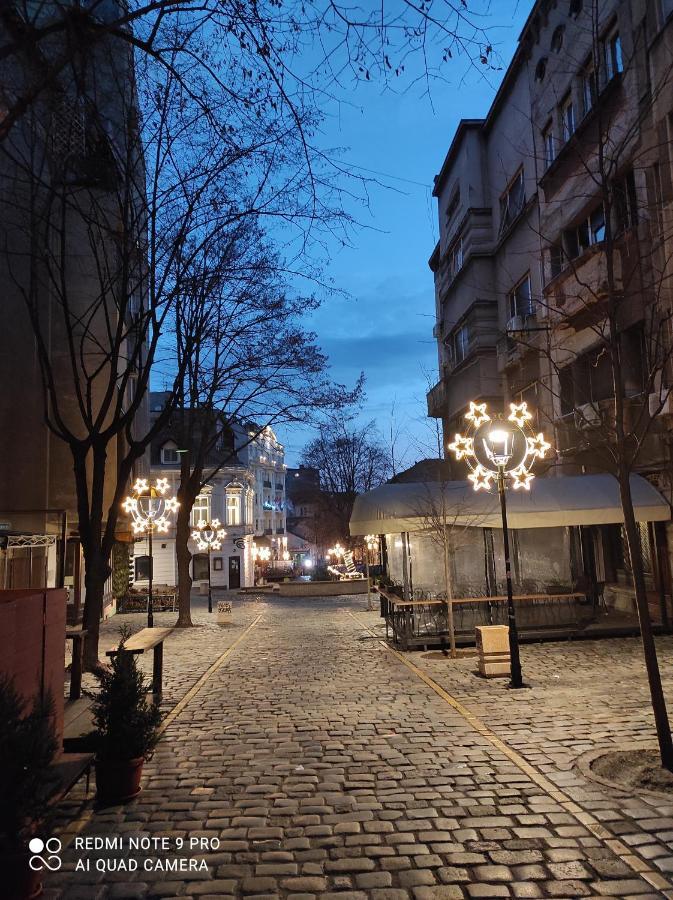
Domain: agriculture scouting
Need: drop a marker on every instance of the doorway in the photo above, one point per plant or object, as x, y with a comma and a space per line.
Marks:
234, 572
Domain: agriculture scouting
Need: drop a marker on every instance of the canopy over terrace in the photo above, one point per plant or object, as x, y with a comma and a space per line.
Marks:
566, 500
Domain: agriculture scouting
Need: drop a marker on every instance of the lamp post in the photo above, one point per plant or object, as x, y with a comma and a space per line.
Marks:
372, 545
209, 536
150, 508
498, 449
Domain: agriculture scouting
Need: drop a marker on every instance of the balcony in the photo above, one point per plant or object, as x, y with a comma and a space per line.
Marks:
437, 401
267, 484
578, 296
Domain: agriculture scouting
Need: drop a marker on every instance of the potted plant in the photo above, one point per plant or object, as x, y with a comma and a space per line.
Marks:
28, 783
125, 727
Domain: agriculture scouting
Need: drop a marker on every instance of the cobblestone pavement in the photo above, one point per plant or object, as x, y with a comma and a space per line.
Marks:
315, 763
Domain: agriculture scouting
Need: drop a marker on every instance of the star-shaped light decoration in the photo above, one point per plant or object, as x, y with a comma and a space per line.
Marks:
148, 508
521, 478
519, 414
171, 504
141, 486
209, 535
462, 446
538, 446
480, 478
161, 485
477, 414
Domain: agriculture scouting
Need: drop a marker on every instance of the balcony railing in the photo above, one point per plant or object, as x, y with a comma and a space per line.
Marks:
437, 400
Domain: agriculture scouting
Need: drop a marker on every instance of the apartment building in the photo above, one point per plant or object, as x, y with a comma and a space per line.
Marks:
61, 155
555, 246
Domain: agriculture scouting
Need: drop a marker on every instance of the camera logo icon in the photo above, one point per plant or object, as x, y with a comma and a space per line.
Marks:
51, 849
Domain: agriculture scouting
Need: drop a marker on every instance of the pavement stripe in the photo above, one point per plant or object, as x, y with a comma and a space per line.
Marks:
628, 855
68, 834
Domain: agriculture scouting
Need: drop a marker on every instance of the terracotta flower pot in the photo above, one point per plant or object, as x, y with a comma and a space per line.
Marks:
19, 882
118, 780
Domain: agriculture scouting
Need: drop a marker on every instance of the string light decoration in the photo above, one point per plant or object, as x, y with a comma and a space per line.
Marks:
150, 510
209, 536
149, 507
502, 450
496, 443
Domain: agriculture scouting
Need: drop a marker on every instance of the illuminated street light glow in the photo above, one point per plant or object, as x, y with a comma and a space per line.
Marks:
150, 509
496, 449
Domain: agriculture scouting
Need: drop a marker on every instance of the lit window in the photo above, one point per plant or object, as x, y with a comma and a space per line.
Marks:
234, 508
201, 509
519, 300
512, 201
568, 119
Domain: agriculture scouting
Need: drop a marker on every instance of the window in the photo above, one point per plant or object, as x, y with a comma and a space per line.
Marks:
200, 567
625, 203
587, 233
453, 204
541, 69
142, 568
666, 10
456, 258
656, 200
201, 509
612, 56
519, 300
512, 201
568, 119
557, 38
169, 454
234, 508
217, 563
459, 345
588, 88
575, 8
555, 260
548, 145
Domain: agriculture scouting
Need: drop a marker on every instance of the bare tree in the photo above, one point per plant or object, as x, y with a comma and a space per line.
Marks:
351, 460
250, 360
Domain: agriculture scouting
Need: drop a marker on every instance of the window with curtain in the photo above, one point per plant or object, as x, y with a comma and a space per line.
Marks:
201, 509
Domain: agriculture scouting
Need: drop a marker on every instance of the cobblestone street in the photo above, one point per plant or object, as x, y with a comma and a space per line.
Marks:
327, 765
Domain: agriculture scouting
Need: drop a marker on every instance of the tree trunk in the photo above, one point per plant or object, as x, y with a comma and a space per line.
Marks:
182, 532
449, 595
96, 571
649, 648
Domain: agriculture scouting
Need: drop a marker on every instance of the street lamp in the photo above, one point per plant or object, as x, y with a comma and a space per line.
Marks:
150, 508
372, 545
209, 536
500, 448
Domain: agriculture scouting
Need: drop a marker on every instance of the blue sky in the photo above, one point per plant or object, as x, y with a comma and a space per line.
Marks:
384, 325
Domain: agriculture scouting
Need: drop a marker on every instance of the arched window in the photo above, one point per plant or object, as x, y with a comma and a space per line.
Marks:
541, 69
575, 8
557, 38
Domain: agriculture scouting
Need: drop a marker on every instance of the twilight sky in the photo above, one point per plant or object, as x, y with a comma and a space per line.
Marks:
384, 326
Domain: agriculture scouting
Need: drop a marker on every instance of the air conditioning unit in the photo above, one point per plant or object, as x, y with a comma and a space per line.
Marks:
587, 416
515, 324
655, 401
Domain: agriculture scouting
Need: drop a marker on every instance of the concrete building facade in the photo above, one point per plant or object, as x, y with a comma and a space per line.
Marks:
560, 198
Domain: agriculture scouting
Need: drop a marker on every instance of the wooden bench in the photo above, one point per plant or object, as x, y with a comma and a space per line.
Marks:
76, 635
148, 639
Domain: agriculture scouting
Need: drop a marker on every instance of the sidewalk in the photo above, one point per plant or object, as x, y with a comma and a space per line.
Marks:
315, 763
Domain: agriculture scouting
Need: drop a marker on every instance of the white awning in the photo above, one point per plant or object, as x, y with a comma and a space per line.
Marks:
564, 500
